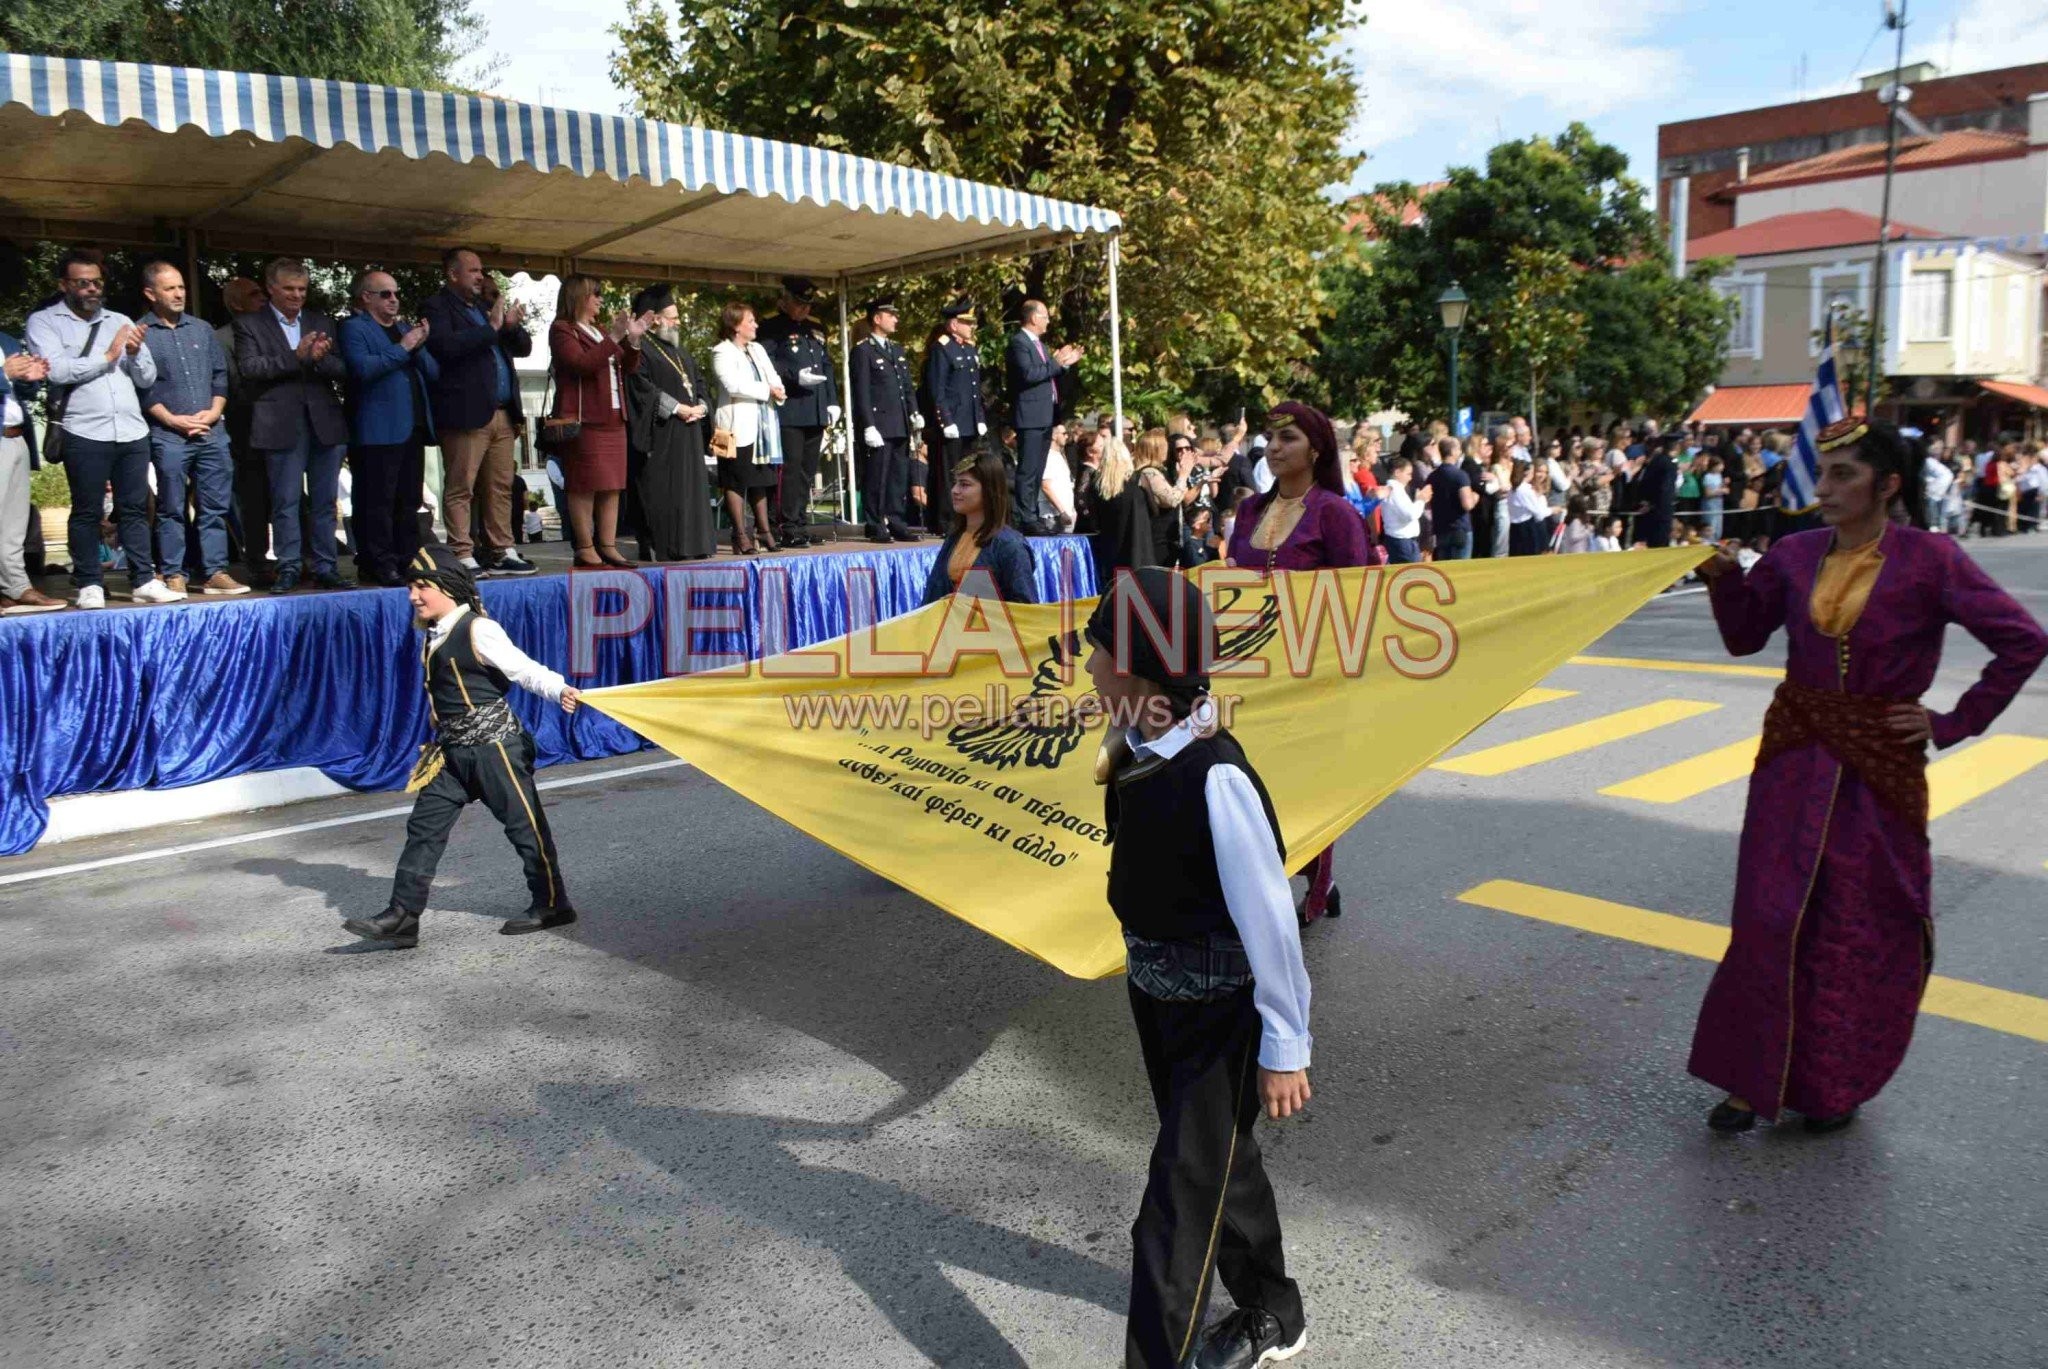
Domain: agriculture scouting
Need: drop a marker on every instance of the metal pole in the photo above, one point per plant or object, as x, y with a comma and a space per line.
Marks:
1116, 345
851, 511
1875, 361
1454, 381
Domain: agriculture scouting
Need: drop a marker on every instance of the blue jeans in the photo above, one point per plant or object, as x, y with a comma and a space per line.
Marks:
1402, 551
206, 463
91, 466
315, 471
1455, 545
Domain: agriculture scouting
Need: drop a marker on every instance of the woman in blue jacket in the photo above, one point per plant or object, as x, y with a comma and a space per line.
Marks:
982, 539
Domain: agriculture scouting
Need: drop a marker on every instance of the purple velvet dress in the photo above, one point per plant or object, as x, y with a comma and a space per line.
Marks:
1813, 1007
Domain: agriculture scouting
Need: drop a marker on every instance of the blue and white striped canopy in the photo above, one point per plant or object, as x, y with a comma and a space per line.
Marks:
299, 162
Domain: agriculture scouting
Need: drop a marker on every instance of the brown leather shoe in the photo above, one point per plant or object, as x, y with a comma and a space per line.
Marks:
32, 600
220, 582
176, 582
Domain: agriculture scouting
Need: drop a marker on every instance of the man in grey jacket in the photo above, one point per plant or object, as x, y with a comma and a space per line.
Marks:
97, 364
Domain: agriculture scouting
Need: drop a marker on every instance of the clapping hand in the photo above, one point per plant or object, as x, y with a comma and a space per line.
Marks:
515, 314
414, 336
27, 366
1067, 355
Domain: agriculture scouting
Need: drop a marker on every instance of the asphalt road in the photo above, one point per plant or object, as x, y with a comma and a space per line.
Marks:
762, 1109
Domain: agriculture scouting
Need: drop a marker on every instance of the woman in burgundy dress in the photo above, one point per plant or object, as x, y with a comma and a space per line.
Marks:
1303, 523
1813, 1006
591, 365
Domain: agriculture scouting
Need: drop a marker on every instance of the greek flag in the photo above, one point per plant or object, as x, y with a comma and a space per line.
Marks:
1823, 406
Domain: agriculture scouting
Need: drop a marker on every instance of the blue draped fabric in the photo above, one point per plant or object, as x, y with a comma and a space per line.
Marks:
163, 698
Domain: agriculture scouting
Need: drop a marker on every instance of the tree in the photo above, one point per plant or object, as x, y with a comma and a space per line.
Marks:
1552, 229
1212, 128
393, 42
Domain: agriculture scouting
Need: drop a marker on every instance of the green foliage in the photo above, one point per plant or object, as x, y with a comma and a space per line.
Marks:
1552, 231
1213, 128
49, 488
395, 42
1852, 356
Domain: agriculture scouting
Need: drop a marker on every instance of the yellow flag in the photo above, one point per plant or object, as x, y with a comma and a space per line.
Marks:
945, 750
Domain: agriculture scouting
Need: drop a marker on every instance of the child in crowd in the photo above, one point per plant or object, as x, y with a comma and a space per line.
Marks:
1577, 533
1610, 538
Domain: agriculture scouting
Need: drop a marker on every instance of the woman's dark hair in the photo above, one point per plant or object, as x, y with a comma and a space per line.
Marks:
730, 316
993, 476
1887, 451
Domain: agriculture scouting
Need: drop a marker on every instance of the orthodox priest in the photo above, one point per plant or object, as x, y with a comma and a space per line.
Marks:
668, 417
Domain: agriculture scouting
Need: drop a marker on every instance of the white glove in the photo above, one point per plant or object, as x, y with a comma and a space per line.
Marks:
810, 377
917, 423
981, 430
832, 415
873, 436
951, 430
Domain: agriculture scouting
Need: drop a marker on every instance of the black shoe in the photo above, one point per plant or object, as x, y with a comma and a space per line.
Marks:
332, 579
1821, 1126
792, 536
877, 533
1726, 1117
538, 919
1334, 905
287, 580
387, 579
903, 532
400, 928
1248, 1337
509, 563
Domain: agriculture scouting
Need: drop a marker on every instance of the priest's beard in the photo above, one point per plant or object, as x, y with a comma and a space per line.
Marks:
672, 336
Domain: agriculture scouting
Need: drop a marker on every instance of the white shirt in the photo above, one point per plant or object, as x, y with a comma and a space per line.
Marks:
1935, 479
2034, 477
12, 416
495, 649
290, 325
534, 526
1606, 543
1058, 487
1262, 475
1525, 504
1261, 905
1400, 512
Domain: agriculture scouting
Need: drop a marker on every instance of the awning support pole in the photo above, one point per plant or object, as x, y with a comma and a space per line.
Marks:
1116, 345
852, 497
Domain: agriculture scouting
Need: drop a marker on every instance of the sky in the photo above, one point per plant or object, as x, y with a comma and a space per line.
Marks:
1444, 80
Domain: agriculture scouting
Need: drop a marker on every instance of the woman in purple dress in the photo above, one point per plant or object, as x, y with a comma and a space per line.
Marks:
1813, 1006
1303, 523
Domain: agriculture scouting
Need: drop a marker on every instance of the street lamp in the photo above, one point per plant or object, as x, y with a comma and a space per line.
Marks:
1452, 306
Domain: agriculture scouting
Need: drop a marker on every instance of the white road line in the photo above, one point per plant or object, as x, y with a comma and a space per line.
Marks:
29, 876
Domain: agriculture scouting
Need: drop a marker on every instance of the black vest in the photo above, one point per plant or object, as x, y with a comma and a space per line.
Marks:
457, 679
1163, 884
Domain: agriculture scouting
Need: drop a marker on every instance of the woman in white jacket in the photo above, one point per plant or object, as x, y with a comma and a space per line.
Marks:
748, 391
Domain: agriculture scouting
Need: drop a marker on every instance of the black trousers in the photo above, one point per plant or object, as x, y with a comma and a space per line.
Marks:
388, 485
884, 482
947, 452
1208, 1204
1032, 446
800, 448
500, 776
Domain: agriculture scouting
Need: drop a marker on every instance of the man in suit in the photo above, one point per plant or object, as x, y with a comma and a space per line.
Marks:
25, 375
477, 413
390, 425
1033, 375
290, 363
252, 483
1656, 494
952, 380
885, 411
796, 344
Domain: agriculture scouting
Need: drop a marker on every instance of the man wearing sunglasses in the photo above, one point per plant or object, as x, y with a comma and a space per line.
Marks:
389, 427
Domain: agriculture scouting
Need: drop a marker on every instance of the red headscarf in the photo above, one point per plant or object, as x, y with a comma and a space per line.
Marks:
1322, 440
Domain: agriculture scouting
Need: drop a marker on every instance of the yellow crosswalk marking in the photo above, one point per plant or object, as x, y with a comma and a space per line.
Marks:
1975, 771
1531, 697
1753, 672
1689, 778
1563, 741
2001, 1010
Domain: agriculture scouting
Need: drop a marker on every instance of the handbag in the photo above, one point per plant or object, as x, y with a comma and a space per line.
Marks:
557, 432
53, 408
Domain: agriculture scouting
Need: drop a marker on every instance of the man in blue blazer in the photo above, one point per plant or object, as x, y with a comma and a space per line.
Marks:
390, 424
1033, 374
25, 376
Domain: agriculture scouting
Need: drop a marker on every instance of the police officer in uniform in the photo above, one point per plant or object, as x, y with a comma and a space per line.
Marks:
885, 411
952, 380
480, 752
795, 342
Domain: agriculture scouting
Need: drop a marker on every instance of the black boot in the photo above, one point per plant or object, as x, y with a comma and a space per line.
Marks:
1248, 1338
537, 919
395, 925
1727, 1117
1820, 1126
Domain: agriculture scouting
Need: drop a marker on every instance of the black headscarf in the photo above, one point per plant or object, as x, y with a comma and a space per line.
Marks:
436, 565
1178, 605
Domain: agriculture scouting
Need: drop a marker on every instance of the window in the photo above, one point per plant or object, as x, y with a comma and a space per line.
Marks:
1837, 291
2016, 317
1746, 328
1929, 305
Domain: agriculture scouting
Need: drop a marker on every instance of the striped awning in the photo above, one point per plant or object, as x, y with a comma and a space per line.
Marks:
2033, 396
128, 152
